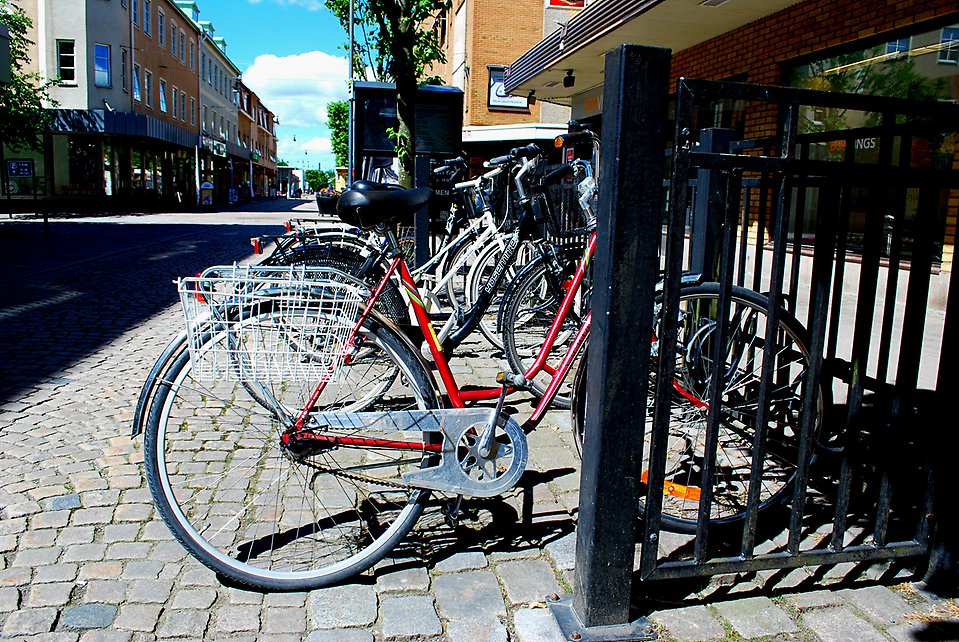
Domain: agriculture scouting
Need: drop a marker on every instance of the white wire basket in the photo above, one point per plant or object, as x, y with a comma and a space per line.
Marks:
264, 324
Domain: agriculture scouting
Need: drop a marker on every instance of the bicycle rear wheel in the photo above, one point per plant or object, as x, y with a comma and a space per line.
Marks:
739, 364
268, 515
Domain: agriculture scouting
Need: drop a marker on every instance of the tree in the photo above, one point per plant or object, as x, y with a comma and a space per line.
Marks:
396, 48
338, 118
23, 119
318, 179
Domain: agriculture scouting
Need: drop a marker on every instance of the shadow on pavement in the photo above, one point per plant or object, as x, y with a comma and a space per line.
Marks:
67, 293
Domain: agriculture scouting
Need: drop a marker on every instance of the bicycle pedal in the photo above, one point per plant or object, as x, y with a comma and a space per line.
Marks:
513, 380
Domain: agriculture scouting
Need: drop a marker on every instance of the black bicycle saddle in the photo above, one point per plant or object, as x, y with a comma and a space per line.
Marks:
368, 208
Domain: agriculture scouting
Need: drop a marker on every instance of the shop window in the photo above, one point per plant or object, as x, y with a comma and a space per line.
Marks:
67, 61
136, 82
949, 46
161, 28
148, 88
102, 67
163, 107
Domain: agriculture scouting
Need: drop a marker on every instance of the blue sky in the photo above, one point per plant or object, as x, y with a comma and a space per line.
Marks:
290, 53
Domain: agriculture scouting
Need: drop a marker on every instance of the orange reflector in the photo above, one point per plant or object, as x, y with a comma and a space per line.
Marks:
676, 490
558, 142
257, 246
197, 294
289, 226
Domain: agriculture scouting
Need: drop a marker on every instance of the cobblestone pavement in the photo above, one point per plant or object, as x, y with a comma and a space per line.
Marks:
83, 555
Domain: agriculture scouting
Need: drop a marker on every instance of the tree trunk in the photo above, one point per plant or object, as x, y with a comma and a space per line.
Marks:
404, 74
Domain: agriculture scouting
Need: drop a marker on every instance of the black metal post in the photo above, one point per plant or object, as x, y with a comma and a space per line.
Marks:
629, 233
712, 186
421, 220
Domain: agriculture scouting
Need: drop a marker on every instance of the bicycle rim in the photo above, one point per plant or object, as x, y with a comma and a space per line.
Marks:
264, 515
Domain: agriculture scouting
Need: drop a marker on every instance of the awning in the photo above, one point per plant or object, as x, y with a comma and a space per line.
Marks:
580, 46
521, 132
102, 121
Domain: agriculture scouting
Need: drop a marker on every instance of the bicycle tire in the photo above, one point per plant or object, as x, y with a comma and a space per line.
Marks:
480, 272
208, 452
695, 366
528, 310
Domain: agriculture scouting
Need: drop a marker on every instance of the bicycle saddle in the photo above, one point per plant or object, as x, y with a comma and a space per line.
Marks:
368, 208
364, 185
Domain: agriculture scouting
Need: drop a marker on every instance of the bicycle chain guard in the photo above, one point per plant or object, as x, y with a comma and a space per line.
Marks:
461, 470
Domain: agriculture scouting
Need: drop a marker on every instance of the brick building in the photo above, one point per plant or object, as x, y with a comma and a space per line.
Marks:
480, 38
824, 44
127, 127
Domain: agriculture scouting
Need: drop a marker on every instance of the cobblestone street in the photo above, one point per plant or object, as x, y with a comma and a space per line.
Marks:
83, 555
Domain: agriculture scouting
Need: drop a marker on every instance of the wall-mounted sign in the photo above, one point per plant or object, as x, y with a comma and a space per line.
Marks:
20, 168
498, 98
568, 4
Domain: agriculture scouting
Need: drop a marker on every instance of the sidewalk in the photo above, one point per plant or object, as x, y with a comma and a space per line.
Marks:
83, 555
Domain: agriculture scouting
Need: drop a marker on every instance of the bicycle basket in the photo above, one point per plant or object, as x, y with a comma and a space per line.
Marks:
269, 324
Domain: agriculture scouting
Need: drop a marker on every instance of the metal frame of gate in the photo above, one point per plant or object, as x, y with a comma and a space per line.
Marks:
883, 416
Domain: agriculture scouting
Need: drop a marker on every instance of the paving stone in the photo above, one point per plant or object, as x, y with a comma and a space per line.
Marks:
150, 591
142, 570
837, 624
689, 623
462, 562
88, 616
87, 516
49, 594
76, 535
15, 576
410, 579
341, 607
100, 635
85, 553
202, 598
138, 617
409, 616
37, 556
536, 625
55, 519
878, 603
283, 620
120, 533
101, 571
915, 631
814, 599
238, 618
340, 635
472, 595
563, 552
284, 599
29, 622
487, 629
106, 591
181, 623
9, 599
63, 502
756, 616
528, 580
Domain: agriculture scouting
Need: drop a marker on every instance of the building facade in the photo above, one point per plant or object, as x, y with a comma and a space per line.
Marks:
479, 39
128, 129
906, 49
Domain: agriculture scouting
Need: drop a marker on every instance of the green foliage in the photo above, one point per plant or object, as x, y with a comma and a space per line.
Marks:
395, 42
23, 118
282, 163
338, 118
318, 179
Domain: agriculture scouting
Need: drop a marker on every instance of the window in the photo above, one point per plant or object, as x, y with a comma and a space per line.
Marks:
146, 17
148, 88
161, 28
101, 65
136, 82
205, 116
182, 46
162, 95
176, 102
123, 69
949, 46
135, 10
67, 61
903, 45
192, 54
173, 38
182, 106
193, 111
202, 63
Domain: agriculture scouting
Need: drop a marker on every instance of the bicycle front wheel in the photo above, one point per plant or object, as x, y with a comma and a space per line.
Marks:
265, 514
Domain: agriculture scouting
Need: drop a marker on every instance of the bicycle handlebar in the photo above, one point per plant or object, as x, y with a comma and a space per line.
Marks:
452, 165
573, 138
530, 151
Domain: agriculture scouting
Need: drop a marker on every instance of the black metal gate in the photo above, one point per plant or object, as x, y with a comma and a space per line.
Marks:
795, 406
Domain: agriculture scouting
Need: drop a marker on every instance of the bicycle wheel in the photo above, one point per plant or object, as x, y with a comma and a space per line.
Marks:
528, 311
269, 516
458, 262
739, 364
481, 271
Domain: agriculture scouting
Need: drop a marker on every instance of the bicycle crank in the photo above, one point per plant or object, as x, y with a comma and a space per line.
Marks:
462, 470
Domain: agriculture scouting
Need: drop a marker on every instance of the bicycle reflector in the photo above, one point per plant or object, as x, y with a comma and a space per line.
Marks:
289, 226
559, 142
257, 246
196, 293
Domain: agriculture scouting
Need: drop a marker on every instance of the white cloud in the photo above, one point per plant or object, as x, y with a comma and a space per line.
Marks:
297, 88
306, 152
